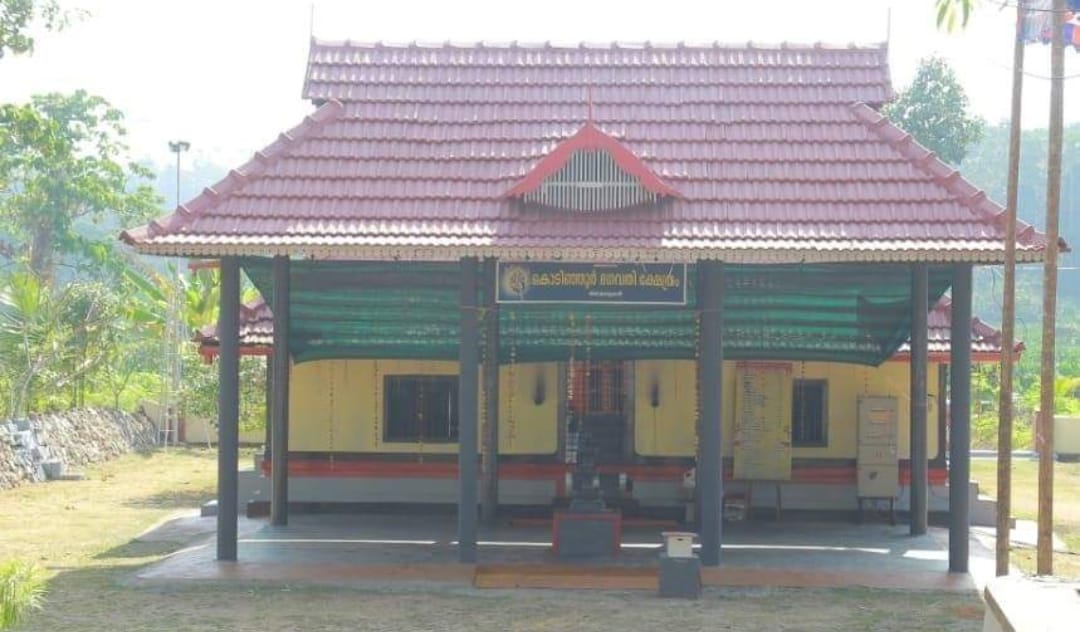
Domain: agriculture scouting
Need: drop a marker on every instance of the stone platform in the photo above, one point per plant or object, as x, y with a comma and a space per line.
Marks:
379, 548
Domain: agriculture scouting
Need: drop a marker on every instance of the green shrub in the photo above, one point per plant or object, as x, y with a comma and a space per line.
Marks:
984, 431
22, 590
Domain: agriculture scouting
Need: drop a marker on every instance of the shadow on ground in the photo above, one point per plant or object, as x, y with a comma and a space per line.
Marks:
172, 499
140, 549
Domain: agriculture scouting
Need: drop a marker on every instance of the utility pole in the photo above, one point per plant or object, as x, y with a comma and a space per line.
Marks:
1045, 433
174, 337
1008, 311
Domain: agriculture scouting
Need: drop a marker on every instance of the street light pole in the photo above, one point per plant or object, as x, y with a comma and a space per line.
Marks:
174, 337
178, 147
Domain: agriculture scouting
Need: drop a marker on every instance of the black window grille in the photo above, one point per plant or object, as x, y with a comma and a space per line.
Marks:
420, 408
809, 413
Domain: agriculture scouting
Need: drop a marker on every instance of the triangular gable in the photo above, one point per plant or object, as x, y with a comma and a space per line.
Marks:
591, 171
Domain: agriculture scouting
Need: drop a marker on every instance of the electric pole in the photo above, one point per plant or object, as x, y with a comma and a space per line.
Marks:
1045, 433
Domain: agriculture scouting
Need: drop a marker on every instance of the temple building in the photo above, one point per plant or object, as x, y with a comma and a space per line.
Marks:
600, 279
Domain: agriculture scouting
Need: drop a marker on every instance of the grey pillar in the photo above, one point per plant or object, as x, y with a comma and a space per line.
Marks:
228, 407
918, 436
489, 506
468, 385
710, 375
279, 462
960, 418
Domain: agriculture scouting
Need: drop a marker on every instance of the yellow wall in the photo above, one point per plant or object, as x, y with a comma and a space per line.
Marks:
528, 427
336, 405
199, 431
668, 430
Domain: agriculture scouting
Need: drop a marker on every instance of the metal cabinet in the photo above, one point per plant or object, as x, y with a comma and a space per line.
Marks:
877, 461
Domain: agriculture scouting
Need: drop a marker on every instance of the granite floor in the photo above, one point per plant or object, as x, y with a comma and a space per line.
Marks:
370, 547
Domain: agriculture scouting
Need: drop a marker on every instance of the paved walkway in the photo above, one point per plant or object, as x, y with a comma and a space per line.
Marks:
360, 548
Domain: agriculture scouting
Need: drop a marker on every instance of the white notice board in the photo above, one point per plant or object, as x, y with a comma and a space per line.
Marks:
763, 421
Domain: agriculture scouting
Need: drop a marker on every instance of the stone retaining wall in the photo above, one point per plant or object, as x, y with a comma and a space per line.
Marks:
43, 446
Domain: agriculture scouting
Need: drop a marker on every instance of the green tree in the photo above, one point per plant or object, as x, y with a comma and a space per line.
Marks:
53, 337
934, 109
61, 163
18, 16
949, 12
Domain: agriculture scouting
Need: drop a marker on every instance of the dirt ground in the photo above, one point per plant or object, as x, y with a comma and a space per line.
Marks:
95, 600
84, 534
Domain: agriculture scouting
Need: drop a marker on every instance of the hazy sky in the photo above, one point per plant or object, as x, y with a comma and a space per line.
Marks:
226, 74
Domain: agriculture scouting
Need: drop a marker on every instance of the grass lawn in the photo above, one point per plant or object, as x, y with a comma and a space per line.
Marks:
1025, 506
83, 533
68, 524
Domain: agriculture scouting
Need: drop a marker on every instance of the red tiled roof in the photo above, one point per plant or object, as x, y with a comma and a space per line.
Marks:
777, 153
257, 334
985, 339
256, 331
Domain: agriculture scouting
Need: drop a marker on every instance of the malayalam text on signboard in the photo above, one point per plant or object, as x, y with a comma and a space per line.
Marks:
552, 282
763, 421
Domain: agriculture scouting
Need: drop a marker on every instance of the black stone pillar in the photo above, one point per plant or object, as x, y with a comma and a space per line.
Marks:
468, 385
710, 386
489, 505
279, 462
918, 435
228, 408
960, 419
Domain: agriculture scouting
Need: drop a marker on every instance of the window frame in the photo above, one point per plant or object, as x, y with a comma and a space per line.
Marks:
796, 384
419, 438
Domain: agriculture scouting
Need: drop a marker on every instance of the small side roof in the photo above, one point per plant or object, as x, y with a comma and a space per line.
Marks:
256, 332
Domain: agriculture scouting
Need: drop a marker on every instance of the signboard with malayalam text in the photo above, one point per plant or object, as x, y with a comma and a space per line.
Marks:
611, 283
762, 444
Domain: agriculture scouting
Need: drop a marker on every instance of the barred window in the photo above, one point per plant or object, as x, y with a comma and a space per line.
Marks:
809, 413
420, 408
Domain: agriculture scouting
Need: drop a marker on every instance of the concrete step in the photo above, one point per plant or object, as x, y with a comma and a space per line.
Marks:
1021, 603
627, 523
558, 576
983, 511
54, 470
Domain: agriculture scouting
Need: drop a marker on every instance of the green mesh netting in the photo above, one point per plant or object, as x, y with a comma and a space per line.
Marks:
854, 313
